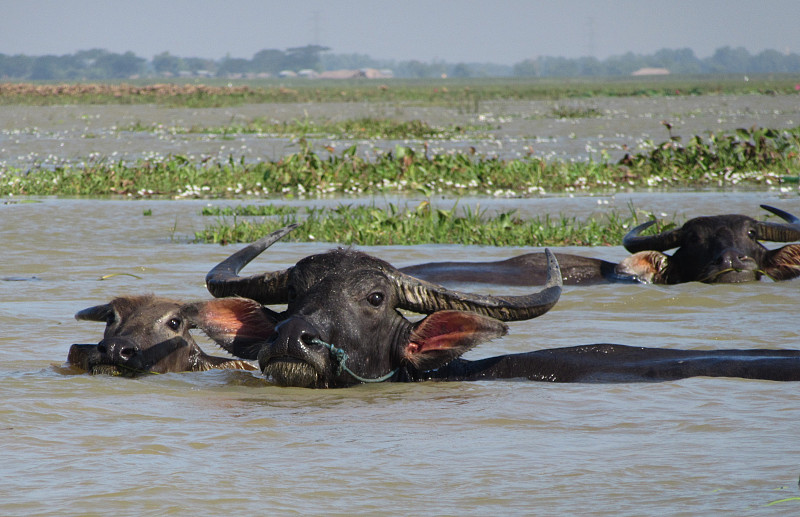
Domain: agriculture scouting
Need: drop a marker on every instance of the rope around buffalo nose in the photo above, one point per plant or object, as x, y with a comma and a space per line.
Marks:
340, 356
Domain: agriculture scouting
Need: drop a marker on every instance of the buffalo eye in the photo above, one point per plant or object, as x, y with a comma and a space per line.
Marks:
174, 324
375, 299
752, 234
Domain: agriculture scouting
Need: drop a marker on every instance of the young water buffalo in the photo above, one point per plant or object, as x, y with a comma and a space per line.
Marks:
342, 326
147, 334
713, 249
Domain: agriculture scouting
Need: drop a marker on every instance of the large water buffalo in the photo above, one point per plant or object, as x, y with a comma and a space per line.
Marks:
712, 249
343, 326
148, 334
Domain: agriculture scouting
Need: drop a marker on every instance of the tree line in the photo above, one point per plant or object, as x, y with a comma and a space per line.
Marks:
725, 60
99, 64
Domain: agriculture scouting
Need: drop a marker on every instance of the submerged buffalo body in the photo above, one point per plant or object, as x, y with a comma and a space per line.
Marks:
342, 326
147, 334
712, 249
622, 363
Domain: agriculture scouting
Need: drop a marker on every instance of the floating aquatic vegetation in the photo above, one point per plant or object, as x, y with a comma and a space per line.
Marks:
361, 128
753, 157
371, 225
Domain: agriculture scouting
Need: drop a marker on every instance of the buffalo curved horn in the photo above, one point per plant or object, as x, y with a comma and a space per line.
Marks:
267, 288
96, 313
661, 242
414, 294
777, 232
425, 297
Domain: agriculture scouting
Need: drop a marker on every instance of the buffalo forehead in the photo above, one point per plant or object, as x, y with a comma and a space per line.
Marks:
347, 284
713, 223
145, 304
339, 267
716, 232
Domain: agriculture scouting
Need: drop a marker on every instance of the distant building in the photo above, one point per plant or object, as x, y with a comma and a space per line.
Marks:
373, 73
340, 74
368, 73
651, 71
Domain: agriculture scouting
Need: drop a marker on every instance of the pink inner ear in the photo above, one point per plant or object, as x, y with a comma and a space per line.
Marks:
444, 341
450, 333
444, 322
225, 317
234, 317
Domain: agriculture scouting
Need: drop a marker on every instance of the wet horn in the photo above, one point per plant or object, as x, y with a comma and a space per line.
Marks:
425, 298
267, 288
661, 242
778, 232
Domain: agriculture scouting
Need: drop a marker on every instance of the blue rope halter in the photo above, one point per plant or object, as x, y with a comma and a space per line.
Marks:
340, 356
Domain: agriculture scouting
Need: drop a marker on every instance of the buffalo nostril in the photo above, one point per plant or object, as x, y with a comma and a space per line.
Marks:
734, 259
740, 261
127, 352
102, 349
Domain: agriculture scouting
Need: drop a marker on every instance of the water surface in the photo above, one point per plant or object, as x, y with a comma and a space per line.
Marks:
226, 442
53, 135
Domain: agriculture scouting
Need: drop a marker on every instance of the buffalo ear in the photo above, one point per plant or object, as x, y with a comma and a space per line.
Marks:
445, 335
96, 313
647, 266
239, 325
783, 263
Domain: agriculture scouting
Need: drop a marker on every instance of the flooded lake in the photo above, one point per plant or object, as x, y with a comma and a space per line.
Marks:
226, 442
52, 135
218, 442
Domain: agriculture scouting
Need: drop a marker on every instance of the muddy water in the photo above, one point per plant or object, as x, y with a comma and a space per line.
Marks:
225, 442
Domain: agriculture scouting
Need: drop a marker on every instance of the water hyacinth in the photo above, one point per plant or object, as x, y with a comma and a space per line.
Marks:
370, 225
366, 127
753, 157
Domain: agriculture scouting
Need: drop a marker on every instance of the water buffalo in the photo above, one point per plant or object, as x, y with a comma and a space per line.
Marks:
342, 326
712, 249
147, 334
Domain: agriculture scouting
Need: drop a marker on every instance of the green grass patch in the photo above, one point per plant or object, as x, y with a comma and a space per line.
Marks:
249, 210
362, 128
575, 112
375, 226
744, 157
728, 157
462, 94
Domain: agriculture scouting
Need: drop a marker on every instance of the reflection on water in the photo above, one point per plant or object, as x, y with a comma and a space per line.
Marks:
226, 442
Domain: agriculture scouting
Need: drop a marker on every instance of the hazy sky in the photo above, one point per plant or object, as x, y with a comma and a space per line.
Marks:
499, 31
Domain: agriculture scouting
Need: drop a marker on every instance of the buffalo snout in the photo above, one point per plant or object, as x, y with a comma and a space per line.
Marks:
731, 265
735, 259
123, 353
291, 358
291, 337
118, 351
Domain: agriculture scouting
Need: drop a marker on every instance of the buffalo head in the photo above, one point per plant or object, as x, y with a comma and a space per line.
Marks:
722, 248
343, 324
147, 334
